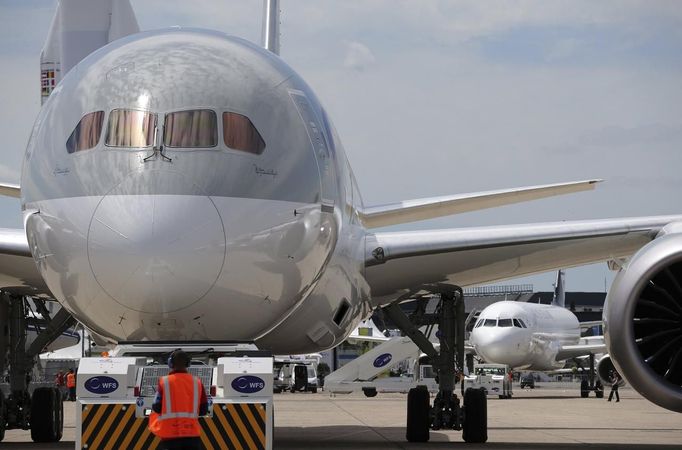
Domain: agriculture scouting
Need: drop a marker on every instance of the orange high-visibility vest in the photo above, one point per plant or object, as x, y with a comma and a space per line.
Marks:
179, 407
70, 380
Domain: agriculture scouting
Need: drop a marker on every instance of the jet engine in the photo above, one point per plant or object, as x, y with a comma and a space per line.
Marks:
605, 369
643, 321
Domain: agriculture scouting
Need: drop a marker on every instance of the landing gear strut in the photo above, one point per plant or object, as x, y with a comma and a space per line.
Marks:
590, 385
42, 412
446, 412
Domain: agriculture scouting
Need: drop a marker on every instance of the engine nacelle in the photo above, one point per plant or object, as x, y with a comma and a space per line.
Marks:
643, 321
605, 370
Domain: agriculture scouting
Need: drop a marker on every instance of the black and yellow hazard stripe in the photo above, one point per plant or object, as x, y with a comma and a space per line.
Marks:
240, 425
114, 426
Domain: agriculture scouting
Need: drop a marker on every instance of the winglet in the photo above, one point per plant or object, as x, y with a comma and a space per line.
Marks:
429, 208
10, 190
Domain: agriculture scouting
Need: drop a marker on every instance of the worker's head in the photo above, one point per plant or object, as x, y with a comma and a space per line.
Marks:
178, 360
61, 372
70, 370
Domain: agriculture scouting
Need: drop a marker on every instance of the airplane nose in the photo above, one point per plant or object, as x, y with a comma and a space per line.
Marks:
496, 346
155, 243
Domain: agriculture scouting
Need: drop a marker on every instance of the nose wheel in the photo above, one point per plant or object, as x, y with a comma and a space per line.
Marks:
446, 412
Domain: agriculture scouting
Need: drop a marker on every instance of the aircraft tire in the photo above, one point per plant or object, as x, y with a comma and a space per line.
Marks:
584, 389
475, 429
47, 415
369, 392
599, 394
418, 404
3, 417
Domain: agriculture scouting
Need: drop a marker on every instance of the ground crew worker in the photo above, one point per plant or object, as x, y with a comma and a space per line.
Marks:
180, 400
615, 379
71, 385
60, 382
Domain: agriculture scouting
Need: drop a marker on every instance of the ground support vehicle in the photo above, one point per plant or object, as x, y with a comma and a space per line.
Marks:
115, 395
495, 379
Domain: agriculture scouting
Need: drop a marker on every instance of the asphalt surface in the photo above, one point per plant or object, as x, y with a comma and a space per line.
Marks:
544, 418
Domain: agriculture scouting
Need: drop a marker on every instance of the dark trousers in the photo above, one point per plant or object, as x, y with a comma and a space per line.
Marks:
614, 388
72, 394
191, 443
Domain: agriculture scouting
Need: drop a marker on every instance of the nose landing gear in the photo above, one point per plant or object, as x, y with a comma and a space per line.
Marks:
446, 412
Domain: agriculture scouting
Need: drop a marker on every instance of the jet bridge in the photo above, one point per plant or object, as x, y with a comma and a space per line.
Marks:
115, 394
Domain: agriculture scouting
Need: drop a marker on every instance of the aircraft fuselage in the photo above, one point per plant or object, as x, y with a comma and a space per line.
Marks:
187, 185
524, 335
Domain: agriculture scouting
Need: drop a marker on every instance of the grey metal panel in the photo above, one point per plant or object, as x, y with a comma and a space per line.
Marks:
471, 256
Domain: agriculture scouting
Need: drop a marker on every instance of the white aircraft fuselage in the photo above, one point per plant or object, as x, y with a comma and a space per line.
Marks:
246, 245
524, 335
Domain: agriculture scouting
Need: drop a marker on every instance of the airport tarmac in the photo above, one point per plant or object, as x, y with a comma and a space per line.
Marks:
544, 418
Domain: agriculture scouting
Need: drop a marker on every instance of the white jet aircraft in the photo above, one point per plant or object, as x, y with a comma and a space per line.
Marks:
182, 184
531, 336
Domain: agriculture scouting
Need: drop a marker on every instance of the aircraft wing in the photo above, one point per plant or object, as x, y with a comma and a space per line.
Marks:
400, 264
10, 190
429, 208
18, 271
574, 351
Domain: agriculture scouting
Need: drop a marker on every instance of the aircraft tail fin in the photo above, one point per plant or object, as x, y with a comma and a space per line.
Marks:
79, 27
560, 289
271, 25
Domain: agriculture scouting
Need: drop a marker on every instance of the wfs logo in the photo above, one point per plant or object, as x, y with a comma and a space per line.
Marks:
248, 384
101, 385
382, 360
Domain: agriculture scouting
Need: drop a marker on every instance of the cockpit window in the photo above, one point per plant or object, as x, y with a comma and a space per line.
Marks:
191, 129
240, 134
86, 134
479, 323
504, 323
130, 128
518, 323
490, 322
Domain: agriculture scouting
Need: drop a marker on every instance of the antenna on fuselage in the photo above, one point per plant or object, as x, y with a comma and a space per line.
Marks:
559, 298
271, 25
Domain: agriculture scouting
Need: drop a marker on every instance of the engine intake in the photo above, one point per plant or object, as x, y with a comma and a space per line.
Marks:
605, 370
643, 322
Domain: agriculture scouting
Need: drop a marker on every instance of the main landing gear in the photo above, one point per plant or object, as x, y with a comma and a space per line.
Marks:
42, 412
590, 385
446, 412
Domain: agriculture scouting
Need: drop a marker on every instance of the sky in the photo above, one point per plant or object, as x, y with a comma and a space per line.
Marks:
436, 97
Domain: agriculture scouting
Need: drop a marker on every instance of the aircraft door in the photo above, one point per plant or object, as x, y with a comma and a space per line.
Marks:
323, 153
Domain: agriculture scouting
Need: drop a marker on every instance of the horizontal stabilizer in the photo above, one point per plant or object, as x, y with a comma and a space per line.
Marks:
10, 190
429, 208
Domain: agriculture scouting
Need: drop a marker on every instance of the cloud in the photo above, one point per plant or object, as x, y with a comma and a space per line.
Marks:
358, 56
